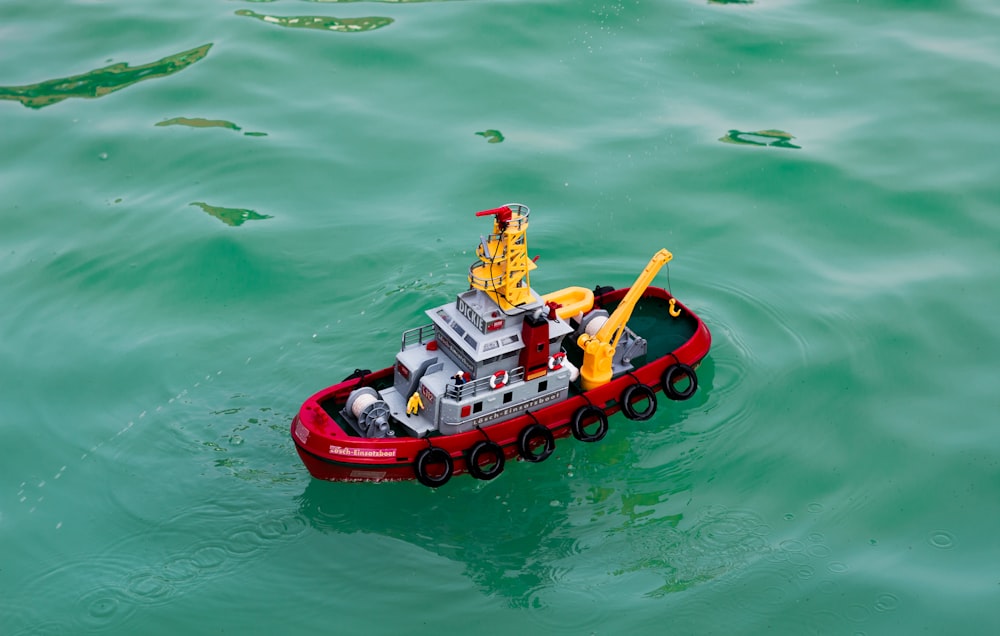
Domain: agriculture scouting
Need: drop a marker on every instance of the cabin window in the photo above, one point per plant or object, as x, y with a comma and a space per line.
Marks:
541, 347
477, 407
490, 361
507, 397
543, 385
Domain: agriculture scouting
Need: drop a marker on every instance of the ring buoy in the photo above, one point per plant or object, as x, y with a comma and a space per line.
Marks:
636, 393
430, 457
499, 379
528, 439
583, 418
556, 361
493, 453
672, 374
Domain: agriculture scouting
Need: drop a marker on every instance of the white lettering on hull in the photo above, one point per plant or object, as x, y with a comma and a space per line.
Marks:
371, 453
523, 406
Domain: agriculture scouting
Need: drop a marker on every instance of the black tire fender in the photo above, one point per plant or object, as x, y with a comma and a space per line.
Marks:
671, 374
531, 433
578, 423
476, 453
640, 391
429, 456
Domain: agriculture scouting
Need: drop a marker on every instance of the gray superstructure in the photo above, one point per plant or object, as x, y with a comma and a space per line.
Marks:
492, 354
468, 365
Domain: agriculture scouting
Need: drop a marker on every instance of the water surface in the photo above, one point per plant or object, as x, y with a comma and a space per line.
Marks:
213, 209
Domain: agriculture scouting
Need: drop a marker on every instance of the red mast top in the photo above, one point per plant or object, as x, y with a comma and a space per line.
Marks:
503, 216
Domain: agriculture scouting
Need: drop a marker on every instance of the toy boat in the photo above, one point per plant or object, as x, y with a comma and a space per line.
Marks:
494, 377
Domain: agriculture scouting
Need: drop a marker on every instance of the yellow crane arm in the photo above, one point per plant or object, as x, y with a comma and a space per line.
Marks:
599, 349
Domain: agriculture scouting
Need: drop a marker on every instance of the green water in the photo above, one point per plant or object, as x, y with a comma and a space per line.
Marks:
212, 209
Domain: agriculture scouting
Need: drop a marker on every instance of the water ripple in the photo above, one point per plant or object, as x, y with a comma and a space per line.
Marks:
114, 583
709, 545
942, 539
566, 607
886, 602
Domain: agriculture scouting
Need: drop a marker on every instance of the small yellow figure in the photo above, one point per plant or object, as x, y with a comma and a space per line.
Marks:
414, 404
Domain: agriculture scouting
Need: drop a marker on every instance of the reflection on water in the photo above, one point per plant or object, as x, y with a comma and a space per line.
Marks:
710, 544
492, 136
199, 122
510, 544
102, 81
532, 542
777, 138
730, 1
344, 25
231, 216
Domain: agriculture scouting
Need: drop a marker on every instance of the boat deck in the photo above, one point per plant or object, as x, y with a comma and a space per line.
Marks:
418, 425
650, 320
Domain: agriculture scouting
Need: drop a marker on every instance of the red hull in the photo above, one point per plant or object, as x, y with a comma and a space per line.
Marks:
330, 453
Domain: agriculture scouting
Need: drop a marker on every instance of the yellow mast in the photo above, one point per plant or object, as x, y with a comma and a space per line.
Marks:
599, 348
503, 265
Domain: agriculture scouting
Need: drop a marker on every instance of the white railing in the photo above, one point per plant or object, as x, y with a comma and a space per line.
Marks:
482, 385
